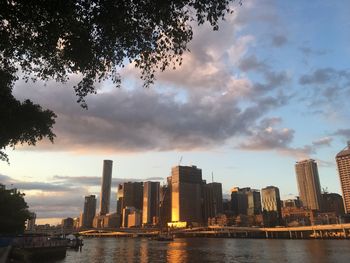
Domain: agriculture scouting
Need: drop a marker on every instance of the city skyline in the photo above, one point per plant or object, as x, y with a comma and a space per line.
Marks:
263, 90
131, 194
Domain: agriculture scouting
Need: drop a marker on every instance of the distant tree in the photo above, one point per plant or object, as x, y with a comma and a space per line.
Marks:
42, 39
14, 212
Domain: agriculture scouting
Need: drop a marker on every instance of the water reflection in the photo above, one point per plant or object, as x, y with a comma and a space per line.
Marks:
99, 251
177, 252
204, 250
144, 252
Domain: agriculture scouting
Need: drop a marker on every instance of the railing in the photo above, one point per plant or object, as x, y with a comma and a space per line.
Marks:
38, 242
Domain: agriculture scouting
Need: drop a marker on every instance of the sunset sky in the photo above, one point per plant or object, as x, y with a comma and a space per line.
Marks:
271, 87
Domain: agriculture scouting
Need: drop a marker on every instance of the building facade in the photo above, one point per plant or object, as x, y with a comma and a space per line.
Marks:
186, 194
271, 206
343, 164
150, 211
165, 204
212, 200
89, 211
309, 184
333, 202
239, 200
106, 187
254, 202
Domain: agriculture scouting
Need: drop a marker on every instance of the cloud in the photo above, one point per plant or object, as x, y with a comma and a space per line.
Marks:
307, 51
325, 141
345, 133
279, 40
323, 76
326, 89
96, 181
251, 63
268, 135
42, 186
63, 196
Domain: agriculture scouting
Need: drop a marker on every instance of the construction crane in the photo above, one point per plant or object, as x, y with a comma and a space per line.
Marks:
180, 160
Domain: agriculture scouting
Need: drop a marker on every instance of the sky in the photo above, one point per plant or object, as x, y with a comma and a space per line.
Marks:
271, 87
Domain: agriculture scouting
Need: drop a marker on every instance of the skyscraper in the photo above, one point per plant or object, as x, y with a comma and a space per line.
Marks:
89, 211
239, 200
343, 164
186, 195
254, 202
106, 187
165, 203
150, 211
309, 184
130, 194
271, 205
212, 200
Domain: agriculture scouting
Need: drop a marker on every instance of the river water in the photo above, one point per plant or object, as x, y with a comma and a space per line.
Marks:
183, 250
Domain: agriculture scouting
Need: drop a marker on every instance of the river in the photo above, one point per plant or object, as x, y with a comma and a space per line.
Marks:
183, 250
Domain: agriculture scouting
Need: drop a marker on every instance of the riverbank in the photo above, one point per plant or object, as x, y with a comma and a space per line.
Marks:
339, 231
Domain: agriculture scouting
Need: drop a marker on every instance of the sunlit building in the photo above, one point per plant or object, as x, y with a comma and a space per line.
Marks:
343, 164
271, 206
309, 184
150, 211
186, 194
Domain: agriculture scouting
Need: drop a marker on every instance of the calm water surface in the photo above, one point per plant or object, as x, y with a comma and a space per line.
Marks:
202, 250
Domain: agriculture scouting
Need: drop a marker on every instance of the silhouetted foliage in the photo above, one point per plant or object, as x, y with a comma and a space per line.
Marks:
14, 212
94, 38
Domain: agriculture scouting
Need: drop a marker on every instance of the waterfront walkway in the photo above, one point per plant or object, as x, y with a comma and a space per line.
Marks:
303, 232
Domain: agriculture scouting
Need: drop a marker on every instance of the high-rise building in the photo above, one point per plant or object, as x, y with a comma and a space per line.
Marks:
67, 225
333, 202
239, 200
106, 187
343, 164
186, 194
165, 204
212, 200
89, 211
130, 194
254, 202
150, 211
309, 184
271, 205
30, 226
